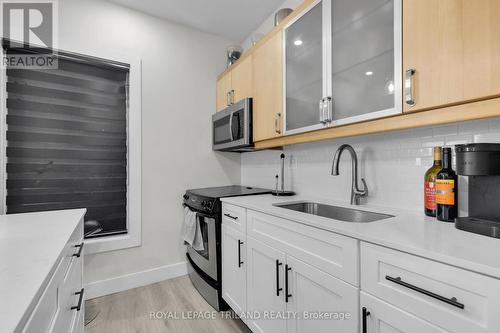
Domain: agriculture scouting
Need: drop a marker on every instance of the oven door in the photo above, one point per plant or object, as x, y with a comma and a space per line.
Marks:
232, 127
206, 260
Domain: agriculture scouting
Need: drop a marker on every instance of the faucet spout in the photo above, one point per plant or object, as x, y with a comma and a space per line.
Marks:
356, 192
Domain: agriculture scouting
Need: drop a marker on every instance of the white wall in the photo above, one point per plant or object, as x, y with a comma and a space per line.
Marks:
393, 164
268, 24
179, 68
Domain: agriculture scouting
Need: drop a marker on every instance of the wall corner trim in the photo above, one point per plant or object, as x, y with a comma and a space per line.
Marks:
134, 280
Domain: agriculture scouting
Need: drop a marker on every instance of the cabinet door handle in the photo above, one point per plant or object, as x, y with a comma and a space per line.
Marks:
328, 110
80, 300
228, 98
278, 289
231, 216
232, 96
452, 301
277, 117
79, 253
239, 253
365, 314
287, 294
409, 98
321, 105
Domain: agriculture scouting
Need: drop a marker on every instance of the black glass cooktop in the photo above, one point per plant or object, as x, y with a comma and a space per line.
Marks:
227, 191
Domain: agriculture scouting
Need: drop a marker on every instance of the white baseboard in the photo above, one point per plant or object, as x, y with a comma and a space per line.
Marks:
134, 280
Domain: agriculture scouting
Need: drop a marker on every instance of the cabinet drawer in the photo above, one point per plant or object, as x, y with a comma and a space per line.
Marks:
77, 326
69, 297
431, 290
73, 247
332, 253
386, 318
44, 312
234, 216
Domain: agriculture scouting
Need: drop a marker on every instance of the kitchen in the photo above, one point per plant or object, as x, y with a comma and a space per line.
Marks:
264, 166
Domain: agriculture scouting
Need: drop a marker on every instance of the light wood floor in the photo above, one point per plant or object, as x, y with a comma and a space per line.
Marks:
129, 311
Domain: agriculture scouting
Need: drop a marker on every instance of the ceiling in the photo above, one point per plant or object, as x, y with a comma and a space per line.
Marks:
232, 19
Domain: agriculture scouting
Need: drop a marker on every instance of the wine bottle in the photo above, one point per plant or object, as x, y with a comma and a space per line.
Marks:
446, 190
430, 184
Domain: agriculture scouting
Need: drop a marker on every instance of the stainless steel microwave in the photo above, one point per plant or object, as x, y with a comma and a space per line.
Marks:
232, 127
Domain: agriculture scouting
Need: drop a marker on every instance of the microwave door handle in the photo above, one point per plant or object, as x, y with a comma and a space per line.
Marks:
231, 126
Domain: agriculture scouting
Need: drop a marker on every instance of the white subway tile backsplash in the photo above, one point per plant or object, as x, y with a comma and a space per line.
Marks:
473, 127
393, 163
445, 130
458, 139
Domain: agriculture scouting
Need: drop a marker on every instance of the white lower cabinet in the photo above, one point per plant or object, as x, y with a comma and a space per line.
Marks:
449, 297
323, 303
293, 278
292, 296
61, 306
234, 269
382, 317
265, 287
278, 282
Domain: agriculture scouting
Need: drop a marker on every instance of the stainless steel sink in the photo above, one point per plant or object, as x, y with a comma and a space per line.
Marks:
334, 212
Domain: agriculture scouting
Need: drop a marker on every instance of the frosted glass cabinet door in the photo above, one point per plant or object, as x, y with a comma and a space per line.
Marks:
365, 55
304, 70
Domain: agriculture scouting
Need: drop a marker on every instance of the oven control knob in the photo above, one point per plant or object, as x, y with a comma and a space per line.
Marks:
185, 196
203, 203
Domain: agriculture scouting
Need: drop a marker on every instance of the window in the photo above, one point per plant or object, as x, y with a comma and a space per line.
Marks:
68, 142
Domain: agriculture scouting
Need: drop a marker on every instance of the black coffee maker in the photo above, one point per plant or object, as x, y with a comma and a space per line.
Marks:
481, 163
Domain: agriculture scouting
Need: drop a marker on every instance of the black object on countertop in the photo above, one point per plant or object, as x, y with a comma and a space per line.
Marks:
478, 159
282, 192
479, 226
480, 162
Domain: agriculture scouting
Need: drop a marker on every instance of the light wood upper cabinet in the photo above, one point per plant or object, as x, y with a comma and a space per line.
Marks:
242, 79
236, 84
454, 47
223, 91
268, 89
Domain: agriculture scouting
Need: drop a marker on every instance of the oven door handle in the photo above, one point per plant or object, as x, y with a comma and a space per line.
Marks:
209, 218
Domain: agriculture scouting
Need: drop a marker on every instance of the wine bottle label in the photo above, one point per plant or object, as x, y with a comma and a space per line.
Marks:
445, 192
430, 195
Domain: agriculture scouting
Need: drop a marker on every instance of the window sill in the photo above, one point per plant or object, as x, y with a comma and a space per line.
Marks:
111, 243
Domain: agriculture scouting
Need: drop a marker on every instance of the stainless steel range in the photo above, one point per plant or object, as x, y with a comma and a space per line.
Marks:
204, 266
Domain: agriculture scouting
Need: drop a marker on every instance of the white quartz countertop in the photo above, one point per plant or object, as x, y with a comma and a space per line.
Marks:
30, 245
410, 232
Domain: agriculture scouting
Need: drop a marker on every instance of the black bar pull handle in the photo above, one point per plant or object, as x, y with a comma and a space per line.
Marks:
365, 314
278, 289
287, 294
80, 300
79, 253
231, 216
239, 253
452, 301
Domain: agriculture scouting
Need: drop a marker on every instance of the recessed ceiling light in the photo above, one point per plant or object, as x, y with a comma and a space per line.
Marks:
298, 42
369, 73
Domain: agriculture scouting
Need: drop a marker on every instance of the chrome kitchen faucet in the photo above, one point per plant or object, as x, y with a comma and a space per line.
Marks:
356, 193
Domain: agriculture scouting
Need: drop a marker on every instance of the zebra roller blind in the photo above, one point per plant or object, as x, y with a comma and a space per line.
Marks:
67, 140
